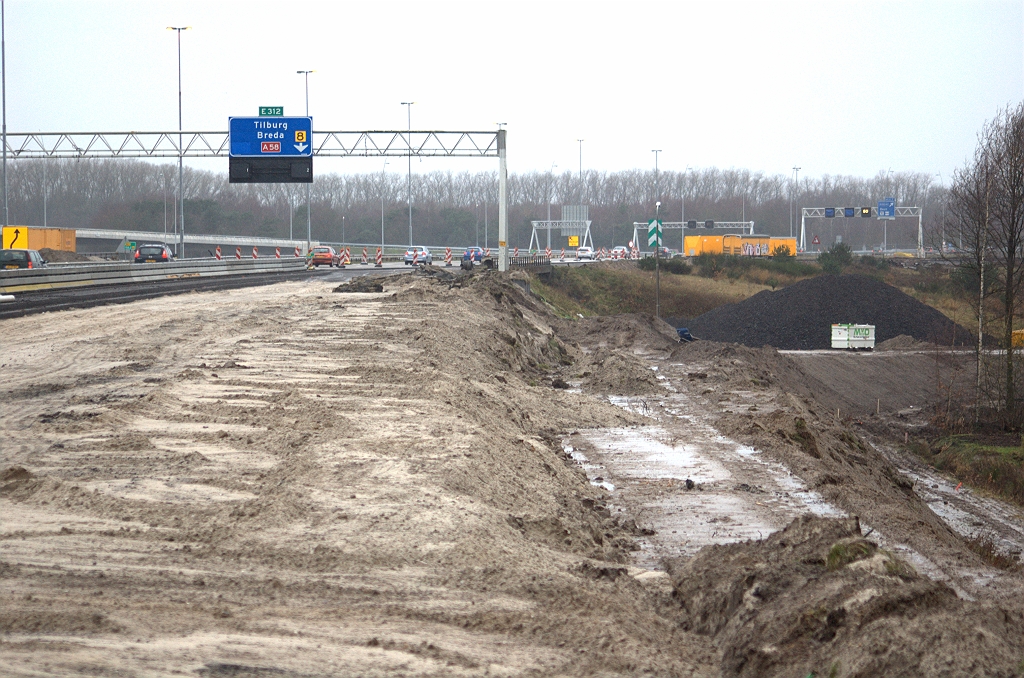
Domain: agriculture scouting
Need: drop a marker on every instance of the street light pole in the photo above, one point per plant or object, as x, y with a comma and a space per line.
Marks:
657, 259
3, 77
181, 151
682, 246
657, 188
408, 189
581, 169
309, 219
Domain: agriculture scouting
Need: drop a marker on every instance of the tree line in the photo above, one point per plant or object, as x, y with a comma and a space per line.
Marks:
456, 208
986, 204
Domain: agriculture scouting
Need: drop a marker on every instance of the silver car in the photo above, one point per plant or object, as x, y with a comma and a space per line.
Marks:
422, 255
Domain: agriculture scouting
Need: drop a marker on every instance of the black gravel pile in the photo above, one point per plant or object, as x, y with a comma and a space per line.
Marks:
800, 317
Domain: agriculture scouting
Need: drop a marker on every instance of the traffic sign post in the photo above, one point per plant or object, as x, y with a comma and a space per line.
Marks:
270, 148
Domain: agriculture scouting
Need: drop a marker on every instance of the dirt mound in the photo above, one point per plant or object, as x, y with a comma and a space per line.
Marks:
361, 284
617, 374
819, 599
60, 256
904, 342
14, 473
631, 331
799, 317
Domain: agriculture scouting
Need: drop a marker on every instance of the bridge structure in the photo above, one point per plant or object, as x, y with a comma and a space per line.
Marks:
326, 143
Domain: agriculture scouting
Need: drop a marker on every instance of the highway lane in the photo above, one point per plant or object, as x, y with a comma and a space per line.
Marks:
43, 301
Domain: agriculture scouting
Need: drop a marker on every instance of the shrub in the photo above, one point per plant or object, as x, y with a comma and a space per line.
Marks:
837, 258
781, 251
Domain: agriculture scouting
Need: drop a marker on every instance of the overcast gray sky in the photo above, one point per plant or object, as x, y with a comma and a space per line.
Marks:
833, 87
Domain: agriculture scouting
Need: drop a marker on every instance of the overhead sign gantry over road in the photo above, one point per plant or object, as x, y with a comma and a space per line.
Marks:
336, 144
270, 150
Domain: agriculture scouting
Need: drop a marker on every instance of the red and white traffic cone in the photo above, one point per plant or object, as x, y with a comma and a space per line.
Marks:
345, 259
415, 256
515, 252
563, 254
277, 252
366, 258
255, 253
487, 252
447, 256
238, 253
298, 252
380, 258
547, 252
348, 255
218, 253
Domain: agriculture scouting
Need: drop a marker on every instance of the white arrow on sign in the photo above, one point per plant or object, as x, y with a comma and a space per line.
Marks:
301, 147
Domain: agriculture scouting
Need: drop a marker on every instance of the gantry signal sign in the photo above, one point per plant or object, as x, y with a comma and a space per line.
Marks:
270, 149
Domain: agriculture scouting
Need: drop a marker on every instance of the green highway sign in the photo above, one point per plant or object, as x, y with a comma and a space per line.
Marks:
273, 111
654, 232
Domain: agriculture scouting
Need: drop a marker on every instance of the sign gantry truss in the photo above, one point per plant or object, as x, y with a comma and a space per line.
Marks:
640, 228
337, 144
819, 213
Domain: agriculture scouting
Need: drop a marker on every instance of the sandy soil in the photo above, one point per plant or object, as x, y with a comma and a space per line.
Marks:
438, 479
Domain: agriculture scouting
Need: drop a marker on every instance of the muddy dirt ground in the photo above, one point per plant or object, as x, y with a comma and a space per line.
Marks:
443, 478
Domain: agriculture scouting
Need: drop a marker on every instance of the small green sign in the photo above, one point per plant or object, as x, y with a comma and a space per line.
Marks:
130, 245
272, 111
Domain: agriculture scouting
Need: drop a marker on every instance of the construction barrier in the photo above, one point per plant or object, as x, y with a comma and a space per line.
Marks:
447, 256
547, 252
515, 252
563, 254
218, 253
487, 252
348, 255
298, 252
255, 253
238, 253
415, 256
380, 258
277, 253
365, 259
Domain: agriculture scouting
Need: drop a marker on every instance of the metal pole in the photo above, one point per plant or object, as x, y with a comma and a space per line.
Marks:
408, 189
657, 260
181, 151
581, 170
502, 203
3, 75
309, 200
44, 194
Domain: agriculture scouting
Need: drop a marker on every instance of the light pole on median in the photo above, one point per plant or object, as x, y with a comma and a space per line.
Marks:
408, 188
309, 221
181, 151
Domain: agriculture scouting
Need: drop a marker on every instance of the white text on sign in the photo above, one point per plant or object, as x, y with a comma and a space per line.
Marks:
270, 147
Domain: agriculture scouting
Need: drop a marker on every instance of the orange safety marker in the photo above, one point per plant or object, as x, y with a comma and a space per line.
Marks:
380, 258
238, 253
218, 253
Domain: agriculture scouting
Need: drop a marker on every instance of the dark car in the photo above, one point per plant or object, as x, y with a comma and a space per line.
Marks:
153, 253
21, 259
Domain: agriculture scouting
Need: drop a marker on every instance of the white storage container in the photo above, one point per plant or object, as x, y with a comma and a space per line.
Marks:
847, 336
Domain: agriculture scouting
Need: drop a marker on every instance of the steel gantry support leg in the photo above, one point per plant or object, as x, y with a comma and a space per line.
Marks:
803, 231
502, 203
920, 234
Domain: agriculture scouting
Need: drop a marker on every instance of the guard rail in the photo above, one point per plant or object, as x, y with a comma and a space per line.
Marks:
79, 275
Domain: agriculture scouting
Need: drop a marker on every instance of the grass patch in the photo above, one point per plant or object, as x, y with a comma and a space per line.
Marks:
985, 548
621, 287
981, 462
843, 553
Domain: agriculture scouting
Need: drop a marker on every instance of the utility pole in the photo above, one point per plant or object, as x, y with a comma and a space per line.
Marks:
581, 169
181, 151
408, 110
309, 201
3, 76
657, 260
